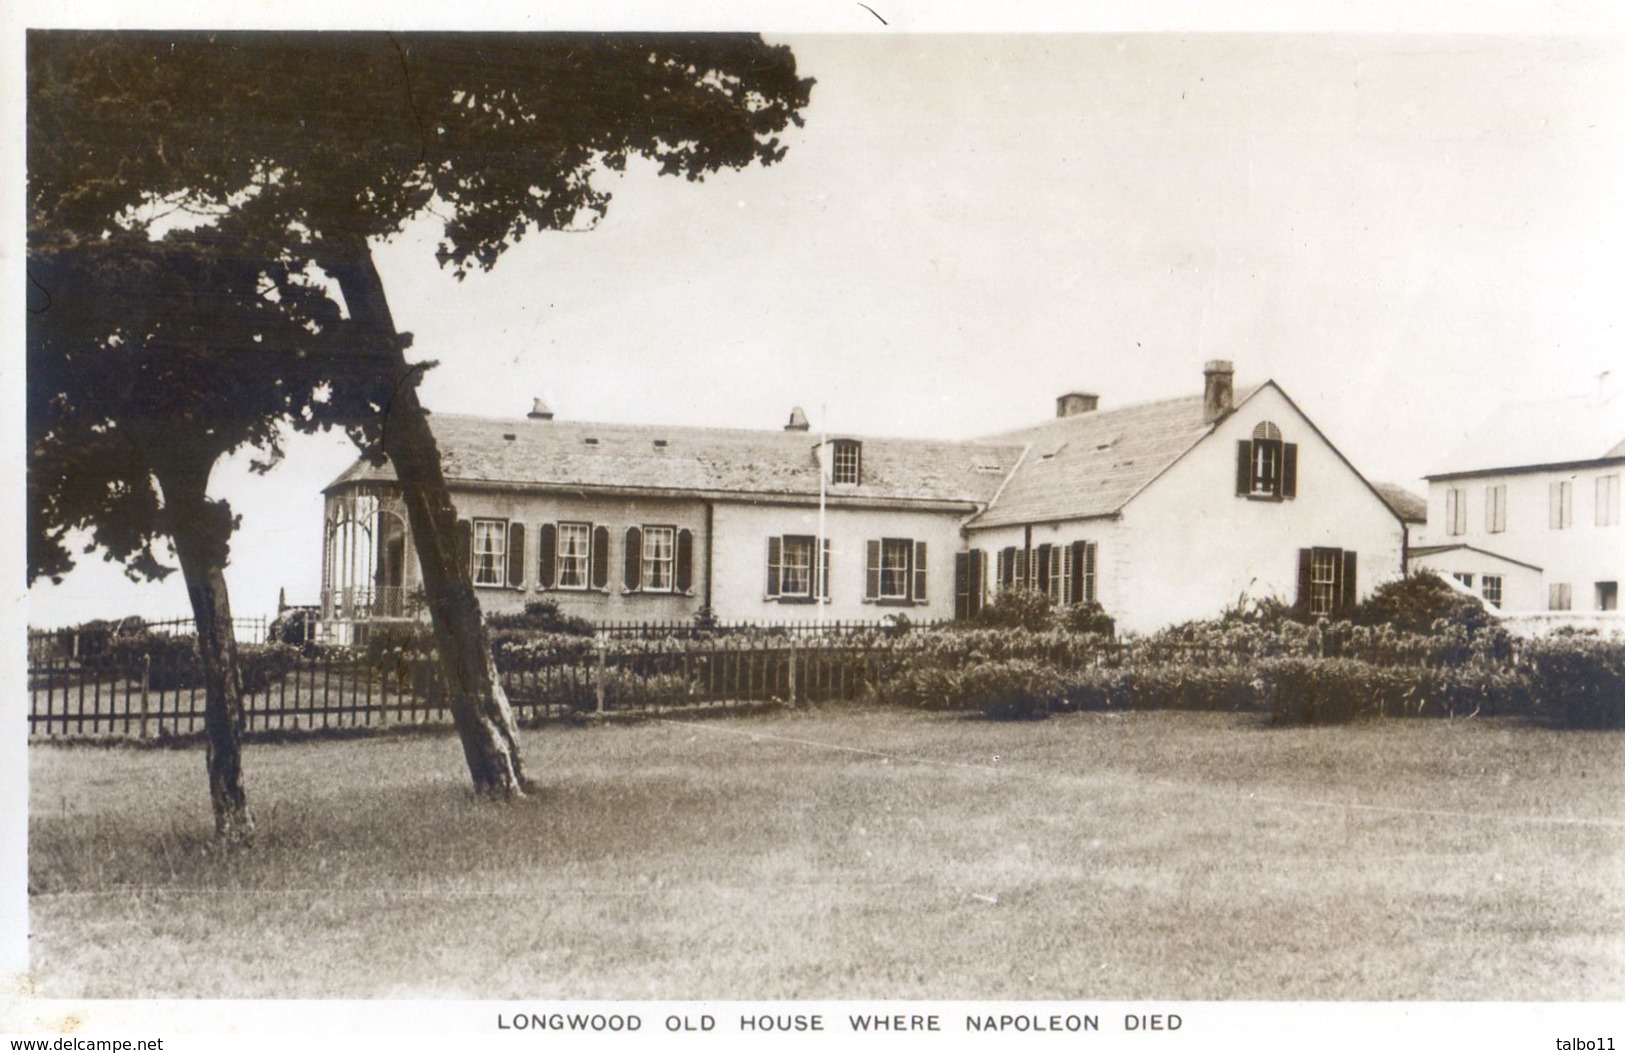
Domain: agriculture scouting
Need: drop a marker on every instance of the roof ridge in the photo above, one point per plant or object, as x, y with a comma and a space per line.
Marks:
699, 429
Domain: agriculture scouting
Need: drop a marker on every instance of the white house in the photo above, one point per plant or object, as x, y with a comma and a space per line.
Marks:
1527, 510
1160, 512
1176, 509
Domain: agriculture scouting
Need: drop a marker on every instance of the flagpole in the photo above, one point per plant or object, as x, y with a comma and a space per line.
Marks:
823, 478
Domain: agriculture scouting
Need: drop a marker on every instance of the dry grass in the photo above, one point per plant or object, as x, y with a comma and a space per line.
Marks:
852, 854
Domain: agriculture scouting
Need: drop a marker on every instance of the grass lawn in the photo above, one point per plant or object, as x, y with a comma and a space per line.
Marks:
854, 854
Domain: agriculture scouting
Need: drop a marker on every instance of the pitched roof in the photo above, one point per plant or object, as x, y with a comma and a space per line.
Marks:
1409, 507
1434, 550
1090, 464
1531, 434
574, 454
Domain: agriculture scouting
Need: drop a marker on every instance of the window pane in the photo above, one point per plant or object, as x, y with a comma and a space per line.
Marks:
659, 544
574, 545
490, 550
1324, 567
894, 554
796, 570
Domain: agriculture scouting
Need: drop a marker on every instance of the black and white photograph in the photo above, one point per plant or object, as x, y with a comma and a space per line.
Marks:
1034, 524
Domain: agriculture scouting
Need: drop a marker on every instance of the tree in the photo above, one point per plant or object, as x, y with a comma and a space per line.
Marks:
323, 143
134, 394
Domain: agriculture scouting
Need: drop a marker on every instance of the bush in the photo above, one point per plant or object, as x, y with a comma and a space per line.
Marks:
174, 659
176, 665
1578, 681
1416, 602
1017, 609
542, 616
1088, 618
386, 643
1015, 689
96, 636
1338, 690
295, 626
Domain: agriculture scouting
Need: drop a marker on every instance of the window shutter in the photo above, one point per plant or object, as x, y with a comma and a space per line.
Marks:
1348, 593
1289, 470
1305, 558
632, 575
823, 569
1077, 572
465, 547
775, 548
600, 557
516, 555
1244, 468
547, 545
871, 579
962, 585
919, 572
685, 560
1089, 585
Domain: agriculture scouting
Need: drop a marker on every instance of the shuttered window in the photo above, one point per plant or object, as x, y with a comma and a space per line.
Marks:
1265, 465
685, 561
970, 582
1561, 505
1455, 511
659, 558
1495, 509
1326, 582
797, 567
632, 569
600, 557
516, 555
574, 555
1082, 570
895, 570
490, 551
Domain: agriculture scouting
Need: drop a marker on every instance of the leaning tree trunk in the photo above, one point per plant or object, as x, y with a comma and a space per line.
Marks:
479, 705
201, 531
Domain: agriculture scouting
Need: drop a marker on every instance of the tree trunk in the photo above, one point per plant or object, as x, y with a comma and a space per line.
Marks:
479, 705
201, 531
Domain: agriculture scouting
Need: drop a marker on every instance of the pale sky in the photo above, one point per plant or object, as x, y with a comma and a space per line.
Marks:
1404, 232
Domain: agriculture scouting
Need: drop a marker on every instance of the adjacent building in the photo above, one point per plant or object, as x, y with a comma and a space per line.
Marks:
1526, 512
1159, 512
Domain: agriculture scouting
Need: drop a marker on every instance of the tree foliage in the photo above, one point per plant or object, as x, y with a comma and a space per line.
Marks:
148, 361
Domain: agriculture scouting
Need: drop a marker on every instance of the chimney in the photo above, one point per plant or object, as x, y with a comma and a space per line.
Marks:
1219, 391
798, 420
539, 411
1075, 402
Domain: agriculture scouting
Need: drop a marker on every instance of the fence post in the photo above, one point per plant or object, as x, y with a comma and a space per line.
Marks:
598, 681
792, 670
146, 677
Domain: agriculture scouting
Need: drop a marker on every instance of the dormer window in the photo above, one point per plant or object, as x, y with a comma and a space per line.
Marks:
846, 462
1266, 467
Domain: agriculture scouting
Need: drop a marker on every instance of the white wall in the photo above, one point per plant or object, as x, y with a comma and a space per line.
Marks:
1521, 588
615, 513
739, 552
1580, 555
1193, 547
742, 531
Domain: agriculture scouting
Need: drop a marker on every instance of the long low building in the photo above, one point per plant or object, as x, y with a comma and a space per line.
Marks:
1159, 512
